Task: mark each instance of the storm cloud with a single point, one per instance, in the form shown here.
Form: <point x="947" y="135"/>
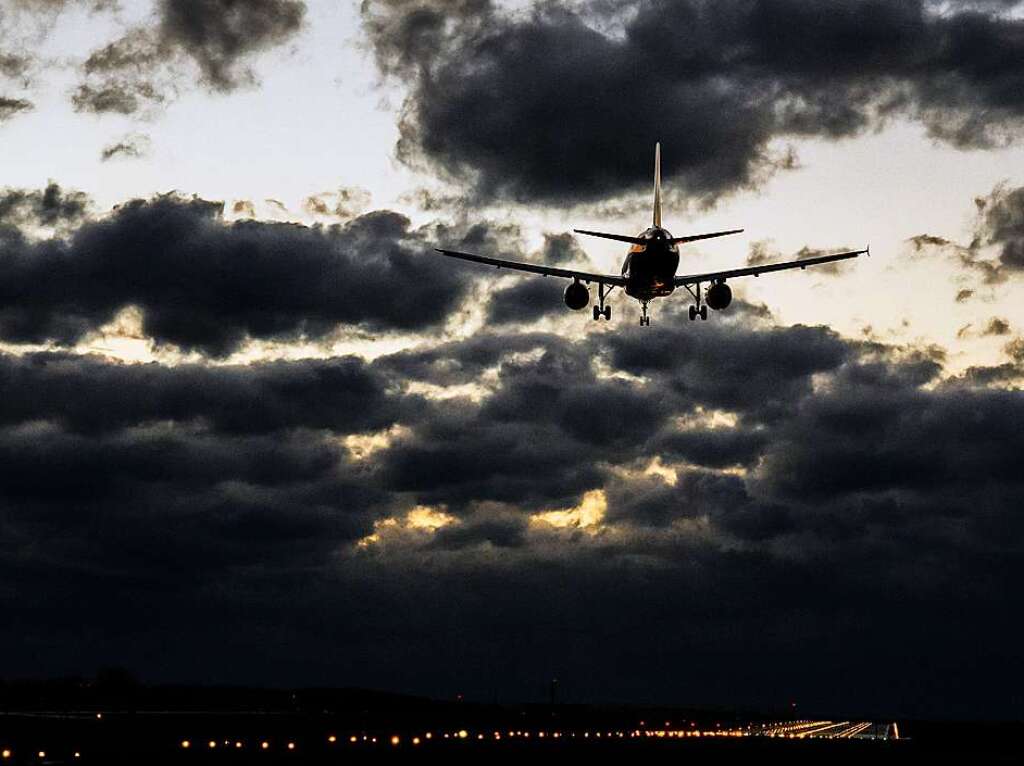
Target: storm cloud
<point x="202" y="283"/>
<point x="594" y="502"/>
<point x="493" y="95"/>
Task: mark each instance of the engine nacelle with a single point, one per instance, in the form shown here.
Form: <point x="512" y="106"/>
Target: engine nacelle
<point x="577" y="296"/>
<point x="719" y="296"/>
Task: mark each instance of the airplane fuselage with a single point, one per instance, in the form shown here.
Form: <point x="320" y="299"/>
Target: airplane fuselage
<point x="650" y="268"/>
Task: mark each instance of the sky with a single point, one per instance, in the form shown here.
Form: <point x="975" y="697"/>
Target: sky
<point x="254" y="430"/>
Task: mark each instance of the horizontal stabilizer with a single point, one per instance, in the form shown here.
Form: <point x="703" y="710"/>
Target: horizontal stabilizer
<point x="616" y="237"/>
<point x="695" y="237"/>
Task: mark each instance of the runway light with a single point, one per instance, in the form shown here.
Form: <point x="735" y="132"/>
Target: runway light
<point x="186" y="744"/>
<point x="99" y="715"/>
<point x="238" y="744"/>
<point x="395" y="740"/>
<point x="42" y="753"/>
<point x="415" y="740"/>
<point x="332" y="739"/>
<point x="211" y="744"/>
<point x="428" y="735"/>
<point x="77" y="754"/>
<point x="6" y="754"/>
<point x="353" y="738"/>
<point x="463" y="733"/>
<point x="265" y="745"/>
<point x="291" y="745"/>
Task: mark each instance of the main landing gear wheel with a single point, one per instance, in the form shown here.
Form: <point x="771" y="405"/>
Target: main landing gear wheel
<point x="701" y="312"/>
<point x="606" y="312"/>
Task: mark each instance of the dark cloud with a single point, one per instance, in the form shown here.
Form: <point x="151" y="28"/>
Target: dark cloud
<point x="9" y="107"/>
<point x="1001" y="225"/>
<point x="809" y="487"/>
<point x="512" y="101"/>
<point x="562" y="249"/>
<point x="91" y="394"/>
<point x="526" y="301"/>
<point x="51" y="206"/>
<point x="131" y="146"/>
<point x="219" y="36"/>
<point x="202" y="283"/>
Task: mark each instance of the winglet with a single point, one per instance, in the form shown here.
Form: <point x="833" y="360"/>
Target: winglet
<point x="657" y="184"/>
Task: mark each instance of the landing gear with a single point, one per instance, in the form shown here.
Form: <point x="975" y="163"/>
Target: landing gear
<point x="699" y="309"/>
<point x="600" y="310"/>
<point x="644" y="319"/>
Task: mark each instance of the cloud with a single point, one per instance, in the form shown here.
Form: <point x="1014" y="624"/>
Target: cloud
<point x="996" y="326"/>
<point x="52" y="206"/>
<point x="1001" y="225"/>
<point x="118" y="96"/>
<point x="511" y="101"/>
<point x="9" y="107"/>
<point x="220" y="34"/>
<point x="344" y="203"/>
<point x="14" y="65"/>
<point x="775" y="485"/>
<point x="204" y="284"/>
<point x="220" y="37"/>
<point x="133" y="145"/>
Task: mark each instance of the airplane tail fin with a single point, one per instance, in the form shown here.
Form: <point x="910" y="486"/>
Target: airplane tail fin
<point x="657" y="184"/>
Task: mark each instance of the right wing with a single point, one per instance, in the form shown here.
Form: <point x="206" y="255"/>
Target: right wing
<point x="547" y="271"/>
<point x="753" y="271"/>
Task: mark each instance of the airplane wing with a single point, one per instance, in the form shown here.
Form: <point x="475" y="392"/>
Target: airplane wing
<point x="712" y="276"/>
<point x="547" y="271"/>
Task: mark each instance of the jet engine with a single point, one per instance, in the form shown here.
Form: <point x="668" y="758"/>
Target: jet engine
<point x="719" y="296"/>
<point x="577" y="296"/>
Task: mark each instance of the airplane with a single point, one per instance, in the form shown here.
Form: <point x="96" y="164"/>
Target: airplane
<point x="649" y="270"/>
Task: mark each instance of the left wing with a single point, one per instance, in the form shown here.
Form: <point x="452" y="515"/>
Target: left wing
<point x="547" y="271"/>
<point x="712" y="276"/>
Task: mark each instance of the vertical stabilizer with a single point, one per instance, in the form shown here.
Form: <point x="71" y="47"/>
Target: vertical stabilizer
<point x="657" y="184"/>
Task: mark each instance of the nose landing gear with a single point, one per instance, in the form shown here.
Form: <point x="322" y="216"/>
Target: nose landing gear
<point x="701" y="312"/>
<point x="645" y="321"/>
